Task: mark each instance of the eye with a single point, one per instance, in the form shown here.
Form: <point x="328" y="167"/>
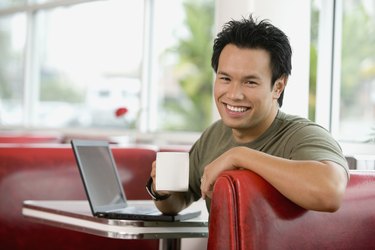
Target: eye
<point x="224" y="78"/>
<point x="251" y="83"/>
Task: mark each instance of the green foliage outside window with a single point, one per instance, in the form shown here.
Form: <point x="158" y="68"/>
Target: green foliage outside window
<point x="313" y="60"/>
<point x="358" y="64"/>
<point x="194" y="54"/>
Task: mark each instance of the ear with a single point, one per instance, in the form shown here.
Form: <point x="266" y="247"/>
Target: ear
<point x="279" y="86"/>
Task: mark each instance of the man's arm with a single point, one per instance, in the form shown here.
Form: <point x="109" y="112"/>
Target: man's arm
<point x="312" y="185"/>
<point x="176" y="202"/>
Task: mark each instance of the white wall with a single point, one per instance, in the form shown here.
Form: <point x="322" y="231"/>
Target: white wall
<point x="225" y="10"/>
<point x="292" y="17"/>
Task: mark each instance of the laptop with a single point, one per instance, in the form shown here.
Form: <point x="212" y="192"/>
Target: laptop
<point x="104" y="190"/>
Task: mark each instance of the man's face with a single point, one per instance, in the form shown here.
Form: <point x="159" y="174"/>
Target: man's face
<point x="243" y="93"/>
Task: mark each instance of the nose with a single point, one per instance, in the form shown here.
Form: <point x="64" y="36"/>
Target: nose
<point x="235" y="91"/>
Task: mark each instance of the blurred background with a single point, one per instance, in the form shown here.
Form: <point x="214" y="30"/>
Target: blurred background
<point x="68" y="65"/>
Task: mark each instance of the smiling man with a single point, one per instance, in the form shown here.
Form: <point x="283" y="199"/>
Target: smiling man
<point x="252" y="62"/>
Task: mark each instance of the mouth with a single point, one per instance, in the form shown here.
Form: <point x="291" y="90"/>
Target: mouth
<point x="236" y="109"/>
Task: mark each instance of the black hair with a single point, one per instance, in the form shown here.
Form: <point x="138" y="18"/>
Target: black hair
<point x="247" y="33"/>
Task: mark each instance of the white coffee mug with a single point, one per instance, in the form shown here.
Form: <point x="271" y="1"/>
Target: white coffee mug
<point x="172" y="171"/>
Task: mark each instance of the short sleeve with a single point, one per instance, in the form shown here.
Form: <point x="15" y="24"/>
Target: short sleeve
<point x="313" y="142"/>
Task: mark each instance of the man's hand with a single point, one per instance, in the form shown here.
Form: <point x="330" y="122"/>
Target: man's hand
<point x="175" y="203"/>
<point x="212" y="171"/>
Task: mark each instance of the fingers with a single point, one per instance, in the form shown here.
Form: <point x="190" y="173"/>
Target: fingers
<point x="206" y="187"/>
<point x="203" y="193"/>
<point x="153" y="170"/>
<point x="153" y="174"/>
<point x="209" y="194"/>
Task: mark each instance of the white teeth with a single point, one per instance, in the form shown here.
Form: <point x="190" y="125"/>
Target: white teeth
<point x="236" y="109"/>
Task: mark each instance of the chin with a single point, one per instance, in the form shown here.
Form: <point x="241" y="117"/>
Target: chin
<point x="232" y="124"/>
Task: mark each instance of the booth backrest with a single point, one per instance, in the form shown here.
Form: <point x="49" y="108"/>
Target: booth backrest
<point x="49" y="172"/>
<point x="248" y="213"/>
<point x="29" y="138"/>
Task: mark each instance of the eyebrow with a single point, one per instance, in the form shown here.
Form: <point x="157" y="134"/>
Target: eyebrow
<point x="251" y="76"/>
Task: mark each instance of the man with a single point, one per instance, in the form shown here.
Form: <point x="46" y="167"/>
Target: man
<point x="252" y="62"/>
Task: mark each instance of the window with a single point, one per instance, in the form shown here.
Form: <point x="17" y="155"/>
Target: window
<point x="12" y="73"/>
<point x="357" y="74"/>
<point x="72" y="64"/>
<point x="345" y="91"/>
<point x="185" y="73"/>
<point x="10" y="3"/>
<point x="89" y="64"/>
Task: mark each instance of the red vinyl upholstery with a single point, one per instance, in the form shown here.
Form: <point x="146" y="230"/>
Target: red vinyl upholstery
<point x="49" y="172"/>
<point x="28" y="138"/>
<point x="248" y="213"/>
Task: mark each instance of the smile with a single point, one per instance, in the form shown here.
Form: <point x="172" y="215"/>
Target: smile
<point x="236" y="109"/>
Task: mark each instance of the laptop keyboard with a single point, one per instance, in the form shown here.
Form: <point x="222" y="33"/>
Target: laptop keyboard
<point x="139" y="210"/>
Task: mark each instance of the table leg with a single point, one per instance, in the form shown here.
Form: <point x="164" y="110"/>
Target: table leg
<point x="170" y="244"/>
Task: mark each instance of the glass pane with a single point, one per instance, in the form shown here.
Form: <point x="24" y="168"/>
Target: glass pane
<point x="12" y="43"/>
<point x="90" y="64"/>
<point x="11" y="3"/>
<point x="357" y="112"/>
<point x="315" y="11"/>
<point x="183" y="49"/>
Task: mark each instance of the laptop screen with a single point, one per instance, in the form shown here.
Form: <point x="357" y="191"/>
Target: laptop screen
<point x="98" y="171"/>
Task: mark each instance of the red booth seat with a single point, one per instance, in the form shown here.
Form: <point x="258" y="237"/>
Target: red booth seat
<point x="46" y="172"/>
<point x="16" y="137"/>
<point x="248" y="213"/>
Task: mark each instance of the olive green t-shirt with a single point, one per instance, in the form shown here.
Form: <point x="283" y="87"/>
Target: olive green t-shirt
<point x="289" y="137"/>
